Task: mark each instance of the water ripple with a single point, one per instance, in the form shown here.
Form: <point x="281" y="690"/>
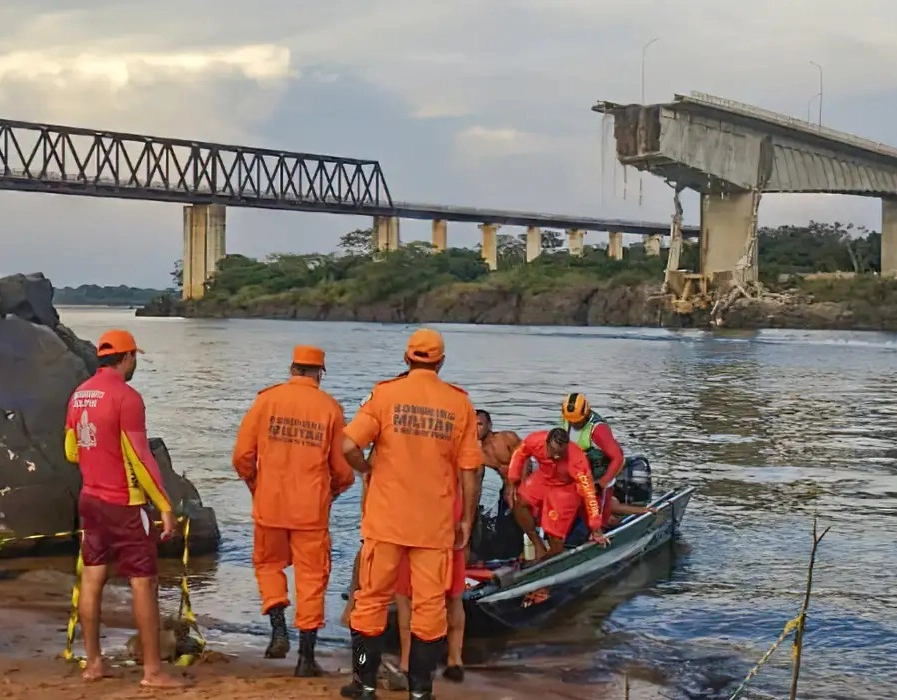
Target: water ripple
<point x="772" y="427"/>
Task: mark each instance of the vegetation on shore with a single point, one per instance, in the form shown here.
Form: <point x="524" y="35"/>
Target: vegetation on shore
<point x="356" y="276"/>
<point x="95" y="295"/>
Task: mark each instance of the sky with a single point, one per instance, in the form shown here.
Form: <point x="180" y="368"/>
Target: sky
<point x="475" y="103"/>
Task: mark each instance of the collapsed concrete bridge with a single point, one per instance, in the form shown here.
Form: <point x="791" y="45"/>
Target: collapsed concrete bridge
<point x="732" y="153"/>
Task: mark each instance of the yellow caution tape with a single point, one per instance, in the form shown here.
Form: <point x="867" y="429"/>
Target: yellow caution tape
<point x="185" y="611"/>
<point x="790" y="627"/>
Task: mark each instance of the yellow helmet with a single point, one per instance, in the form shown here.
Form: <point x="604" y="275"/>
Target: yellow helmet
<point x="575" y="408"/>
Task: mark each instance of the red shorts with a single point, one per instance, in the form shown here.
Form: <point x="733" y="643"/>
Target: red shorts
<point x="555" y="506"/>
<point x="123" y="535"/>
<point x="459" y="576"/>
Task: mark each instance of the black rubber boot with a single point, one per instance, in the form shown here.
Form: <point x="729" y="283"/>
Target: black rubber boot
<point x="306" y="666"/>
<point x="366" y="652"/>
<point x="422" y="661"/>
<point x="455" y="674"/>
<point x="279" y="646"/>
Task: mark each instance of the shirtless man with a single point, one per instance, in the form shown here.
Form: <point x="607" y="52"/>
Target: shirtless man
<point x="497" y="447"/>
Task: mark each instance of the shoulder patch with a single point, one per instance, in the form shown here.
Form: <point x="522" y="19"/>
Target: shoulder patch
<point x="457" y="388"/>
<point x="365" y="399"/>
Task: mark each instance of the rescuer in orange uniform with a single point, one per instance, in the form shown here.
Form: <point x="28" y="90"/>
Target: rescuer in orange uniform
<point x="425" y="434"/>
<point x="289" y="453"/>
<point x="105" y="435"/>
<point x="561" y="484"/>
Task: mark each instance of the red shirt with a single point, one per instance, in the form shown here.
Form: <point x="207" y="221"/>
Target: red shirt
<point x="572" y="469"/>
<point x="105" y="434"/>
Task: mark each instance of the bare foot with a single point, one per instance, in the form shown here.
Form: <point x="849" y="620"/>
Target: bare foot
<point x="163" y="680"/>
<point x="97" y="671"/>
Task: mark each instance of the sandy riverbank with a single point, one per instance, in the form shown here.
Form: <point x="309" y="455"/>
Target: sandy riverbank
<point x="35" y="611"/>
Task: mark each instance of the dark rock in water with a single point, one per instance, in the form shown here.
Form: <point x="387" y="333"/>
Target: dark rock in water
<point x="41" y="364"/>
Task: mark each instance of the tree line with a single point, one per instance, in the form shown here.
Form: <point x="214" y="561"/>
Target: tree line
<point x="357" y="273"/>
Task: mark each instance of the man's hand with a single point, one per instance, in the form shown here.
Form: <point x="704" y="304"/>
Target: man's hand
<point x="169" y="523"/>
<point x="652" y="509"/>
<point x="511" y="494"/>
<point x="462" y="534"/>
<point x="599" y="538"/>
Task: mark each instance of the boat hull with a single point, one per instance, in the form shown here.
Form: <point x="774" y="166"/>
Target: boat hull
<point x="530" y="596"/>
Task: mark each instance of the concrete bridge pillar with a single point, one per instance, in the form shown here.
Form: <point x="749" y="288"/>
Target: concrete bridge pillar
<point x="889" y="237"/>
<point x="204" y="246"/>
<point x="652" y="245"/>
<point x="440" y="234"/>
<point x="533" y="243"/>
<point x="386" y="234"/>
<point x="576" y="242"/>
<point x="727" y="229"/>
<point x="615" y="245"/>
<point x="490" y="244"/>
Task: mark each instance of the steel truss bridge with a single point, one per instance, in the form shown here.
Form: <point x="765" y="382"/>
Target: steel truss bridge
<point x="90" y="163"/>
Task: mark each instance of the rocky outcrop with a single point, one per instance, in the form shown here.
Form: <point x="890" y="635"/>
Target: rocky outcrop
<point x="41" y="364"/>
<point x="588" y="304"/>
<point x="578" y="305"/>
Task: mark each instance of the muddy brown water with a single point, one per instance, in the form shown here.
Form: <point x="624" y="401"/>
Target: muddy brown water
<point x="771" y="427"/>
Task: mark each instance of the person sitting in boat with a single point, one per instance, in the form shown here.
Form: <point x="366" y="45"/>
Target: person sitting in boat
<point x="554" y="492"/>
<point x="589" y="431"/>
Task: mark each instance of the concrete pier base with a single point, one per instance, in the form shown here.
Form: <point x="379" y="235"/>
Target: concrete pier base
<point x="386" y="234"/>
<point x="440" y="234"/>
<point x="204" y="245"/>
<point x="889" y="237"/>
<point x="533" y="243"/>
<point x="490" y="244"/>
<point x="576" y="242"/>
<point x="615" y="245"/>
<point x="728" y="235"/>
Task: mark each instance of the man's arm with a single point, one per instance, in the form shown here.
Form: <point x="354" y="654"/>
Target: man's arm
<point x="470" y="462"/>
<point x="135" y="446"/>
<point x="518" y="462"/>
<point x="361" y="432"/>
<point x="606" y="442"/>
<point x="245" y="457"/>
<point x="341" y="475"/>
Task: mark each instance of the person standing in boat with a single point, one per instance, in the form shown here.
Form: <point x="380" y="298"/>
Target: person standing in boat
<point x="497" y="447"/>
<point x="590" y="432"/>
<point x="555" y="491"/>
<point x="425" y="438"/>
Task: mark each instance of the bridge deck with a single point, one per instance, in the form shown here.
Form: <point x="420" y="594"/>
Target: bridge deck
<point x="91" y="163"/>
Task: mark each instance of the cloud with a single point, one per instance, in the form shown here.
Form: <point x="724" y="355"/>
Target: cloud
<point x="481" y="142"/>
<point x="469" y="102"/>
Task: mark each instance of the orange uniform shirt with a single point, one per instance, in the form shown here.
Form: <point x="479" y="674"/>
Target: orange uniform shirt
<point x="105" y="434"/>
<point x="425" y="432"/>
<point x="289" y="449"/>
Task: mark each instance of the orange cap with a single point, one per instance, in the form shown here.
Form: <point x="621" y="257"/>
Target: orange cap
<point x="116" y="341"/>
<point x="425" y="345"/>
<point x="308" y="355"/>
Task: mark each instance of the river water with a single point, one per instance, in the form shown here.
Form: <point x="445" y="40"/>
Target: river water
<point x="771" y="427"/>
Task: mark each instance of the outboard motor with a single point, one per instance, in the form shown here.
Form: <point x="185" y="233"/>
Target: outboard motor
<point x="633" y="485"/>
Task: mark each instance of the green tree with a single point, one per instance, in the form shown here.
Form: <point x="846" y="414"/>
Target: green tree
<point x="359" y="242"/>
<point x="552" y="241"/>
<point x="177" y="274"/>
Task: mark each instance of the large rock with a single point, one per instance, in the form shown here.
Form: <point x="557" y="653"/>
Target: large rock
<point x="41" y="364"/>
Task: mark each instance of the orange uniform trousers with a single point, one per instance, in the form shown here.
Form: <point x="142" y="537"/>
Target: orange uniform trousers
<point x="274" y="549"/>
<point x="378" y="573"/>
